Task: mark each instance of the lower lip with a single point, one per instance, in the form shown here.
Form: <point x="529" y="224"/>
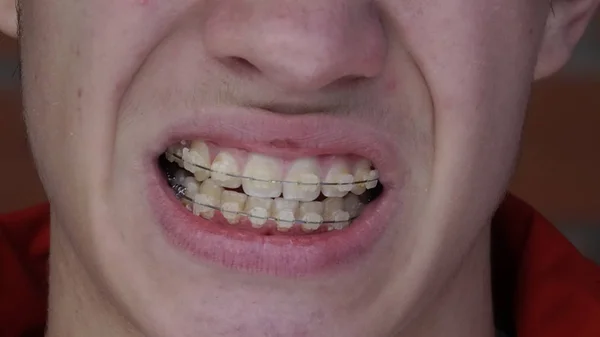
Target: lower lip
<point x="287" y="256"/>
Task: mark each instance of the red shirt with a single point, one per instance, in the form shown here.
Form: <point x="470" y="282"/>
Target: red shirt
<point x="543" y="287"/>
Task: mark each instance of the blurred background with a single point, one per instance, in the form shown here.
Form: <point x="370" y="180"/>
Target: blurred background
<point x="558" y="172"/>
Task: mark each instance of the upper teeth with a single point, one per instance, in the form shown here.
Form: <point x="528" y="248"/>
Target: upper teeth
<point x="263" y="176"/>
<point x="305" y="172"/>
<point x="267" y="172"/>
<point x="224" y="170"/>
<point x="339" y="174"/>
<point x="195" y="157"/>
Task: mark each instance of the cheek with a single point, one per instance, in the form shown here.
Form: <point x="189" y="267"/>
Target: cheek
<point x="478" y="71"/>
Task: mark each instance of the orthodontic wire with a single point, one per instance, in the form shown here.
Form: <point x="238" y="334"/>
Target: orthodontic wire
<point x="180" y="194"/>
<point x="273" y="181"/>
<point x="300" y="222"/>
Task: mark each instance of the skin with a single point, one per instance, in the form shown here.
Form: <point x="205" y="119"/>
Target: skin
<point x="99" y="76"/>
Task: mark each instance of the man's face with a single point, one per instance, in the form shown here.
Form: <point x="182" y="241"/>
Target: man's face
<point x="424" y="97"/>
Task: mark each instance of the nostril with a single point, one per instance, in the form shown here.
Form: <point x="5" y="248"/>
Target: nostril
<point x="240" y="64"/>
<point x="348" y="81"/>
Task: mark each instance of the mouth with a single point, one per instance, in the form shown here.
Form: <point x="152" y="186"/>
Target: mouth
<point x="263" y="193"/>
<point x="269" y="195"/>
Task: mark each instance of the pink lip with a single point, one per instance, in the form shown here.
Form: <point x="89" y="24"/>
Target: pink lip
<point x="286" y="136"/>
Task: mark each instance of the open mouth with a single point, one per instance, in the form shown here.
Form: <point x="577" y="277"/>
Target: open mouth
<point x="269" y="195"/>
<point x="290" y="196"/>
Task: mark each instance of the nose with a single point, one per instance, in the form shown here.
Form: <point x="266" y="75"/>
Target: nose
<point x="299" y="45"/>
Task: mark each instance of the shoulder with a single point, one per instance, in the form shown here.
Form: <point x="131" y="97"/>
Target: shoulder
<point x="24" y="246"/>
<point x="540" y="277"/>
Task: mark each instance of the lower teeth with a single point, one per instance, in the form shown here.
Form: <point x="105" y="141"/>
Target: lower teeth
<point x="188" y="202"/>
<point x="308" y="216"/>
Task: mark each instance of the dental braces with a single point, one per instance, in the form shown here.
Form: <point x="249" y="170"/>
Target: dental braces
<point x="180" y="194"/>
<point x="176" y="156"/>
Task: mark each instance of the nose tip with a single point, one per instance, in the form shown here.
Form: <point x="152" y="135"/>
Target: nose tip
<point x="298" y="45"/>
